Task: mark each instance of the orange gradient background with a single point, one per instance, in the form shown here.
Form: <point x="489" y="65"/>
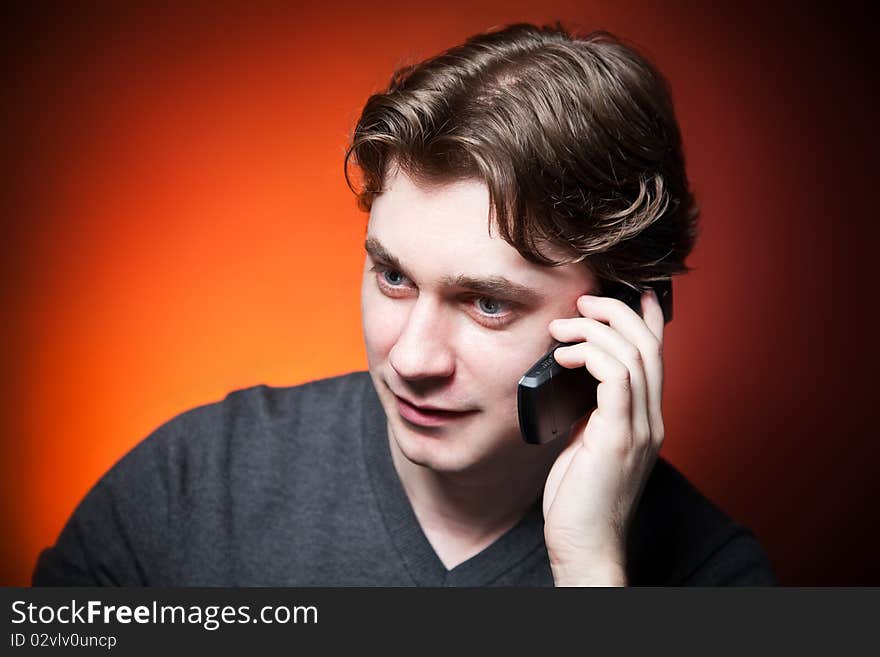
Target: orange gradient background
<point x="177" y="226"/>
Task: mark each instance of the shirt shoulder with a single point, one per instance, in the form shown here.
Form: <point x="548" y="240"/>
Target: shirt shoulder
<point x="126" y="530"/>
<point x="679" y="537"/>
<point x="250" y="430"/>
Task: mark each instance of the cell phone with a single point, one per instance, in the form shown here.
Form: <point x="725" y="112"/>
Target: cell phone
<point x="551" y="398"/>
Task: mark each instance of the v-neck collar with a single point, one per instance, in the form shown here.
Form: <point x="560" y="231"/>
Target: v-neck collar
<point x="416" y="552"/>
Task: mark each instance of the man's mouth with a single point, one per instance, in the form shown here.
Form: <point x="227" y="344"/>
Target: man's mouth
<point x="427" y="415"/>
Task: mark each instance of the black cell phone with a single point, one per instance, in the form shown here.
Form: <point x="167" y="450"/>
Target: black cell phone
<point x="551" y="398"/>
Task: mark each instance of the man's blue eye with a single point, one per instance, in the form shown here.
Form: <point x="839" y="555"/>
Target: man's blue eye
<point x="393" y="277"/>
<point x="489" y="306"/>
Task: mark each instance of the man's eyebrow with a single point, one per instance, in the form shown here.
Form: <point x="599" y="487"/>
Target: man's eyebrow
<point x="375" y="248"/>
<point x="493" y="286"/>
<point x="496" y="287"/>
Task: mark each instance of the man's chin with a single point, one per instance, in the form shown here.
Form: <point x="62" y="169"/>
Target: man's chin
<point x="441" y="453"/>
<point x="435" y="454"/>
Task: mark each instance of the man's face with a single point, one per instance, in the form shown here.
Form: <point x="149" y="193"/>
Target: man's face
<point x="453" y="317"/>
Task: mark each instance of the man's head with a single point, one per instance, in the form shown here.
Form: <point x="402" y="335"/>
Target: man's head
<point x="576" y="140"/>
<point x="505" y="178"/>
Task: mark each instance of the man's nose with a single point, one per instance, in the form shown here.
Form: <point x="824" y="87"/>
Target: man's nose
<point x="422" y="349"/>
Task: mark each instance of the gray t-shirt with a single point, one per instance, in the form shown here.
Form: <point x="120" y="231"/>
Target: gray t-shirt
<point x="295" y="487"/>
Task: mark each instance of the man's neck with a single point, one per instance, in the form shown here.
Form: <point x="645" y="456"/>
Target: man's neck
<point x="461" y="514"/>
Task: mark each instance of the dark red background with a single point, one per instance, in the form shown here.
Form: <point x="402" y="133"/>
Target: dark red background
<point x="176" y="226"/>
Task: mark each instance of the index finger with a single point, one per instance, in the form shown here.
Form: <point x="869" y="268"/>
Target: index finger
<point x="652" y="313"/>
<point x="621" y="317"/>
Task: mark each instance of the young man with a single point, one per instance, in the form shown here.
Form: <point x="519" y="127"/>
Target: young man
<point x="511" y="182"/>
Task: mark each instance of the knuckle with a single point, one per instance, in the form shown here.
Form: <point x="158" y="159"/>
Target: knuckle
<point x="621" y="375"/>
<point x="633" y="355"/>
<point x="613" y="301"/>
<point x="623" y="446"/>
<point x="658" y="434"/>
<point x="658" y="439"/>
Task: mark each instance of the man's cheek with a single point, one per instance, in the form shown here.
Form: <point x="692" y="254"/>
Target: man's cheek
<point x="498" y="363"/>
<point x="380" y="331"/>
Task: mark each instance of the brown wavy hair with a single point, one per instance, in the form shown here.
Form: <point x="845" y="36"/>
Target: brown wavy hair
<point x="575" y="137"/>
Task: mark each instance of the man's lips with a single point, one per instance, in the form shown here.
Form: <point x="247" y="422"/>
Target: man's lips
<point x="429" y="416"/>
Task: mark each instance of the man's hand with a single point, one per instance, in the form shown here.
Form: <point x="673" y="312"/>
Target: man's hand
<point x="594" y="485"/>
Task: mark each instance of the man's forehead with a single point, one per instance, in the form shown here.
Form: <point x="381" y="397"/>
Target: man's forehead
<point x="457" y="210"/>
<point x="445" y="229"/>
